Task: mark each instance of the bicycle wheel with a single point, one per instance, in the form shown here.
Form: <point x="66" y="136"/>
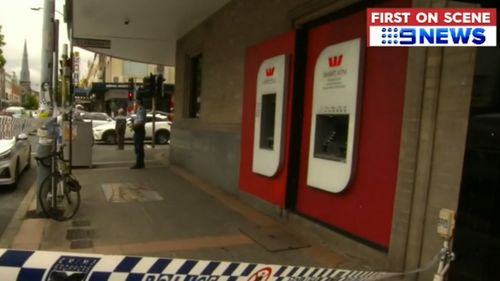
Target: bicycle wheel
<point x="66" y="203"/>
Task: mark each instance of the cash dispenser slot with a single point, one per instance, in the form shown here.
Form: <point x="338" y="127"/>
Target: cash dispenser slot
<point x="331" y="137"/>
<point x="267" y="121"/>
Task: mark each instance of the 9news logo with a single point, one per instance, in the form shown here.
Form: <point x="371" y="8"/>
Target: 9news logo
<point x="431" y="27"/>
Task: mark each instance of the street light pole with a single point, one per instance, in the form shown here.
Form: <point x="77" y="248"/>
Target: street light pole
<point x="47" y="52"/>
<point x="46" y="132"/>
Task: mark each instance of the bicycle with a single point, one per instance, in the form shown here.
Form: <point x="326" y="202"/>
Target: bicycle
<point x="64" y="205"/>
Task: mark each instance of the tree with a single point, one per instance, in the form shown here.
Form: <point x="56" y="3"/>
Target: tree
<point x="31" y="102"/>
<point x="2" y="43"/>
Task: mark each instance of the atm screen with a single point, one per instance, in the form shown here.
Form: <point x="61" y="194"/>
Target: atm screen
<point x="268" y="112"/>
<point x="331" y="137"/>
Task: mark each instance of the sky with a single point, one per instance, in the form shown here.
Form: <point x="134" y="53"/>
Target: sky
<point x="20" y="23"/>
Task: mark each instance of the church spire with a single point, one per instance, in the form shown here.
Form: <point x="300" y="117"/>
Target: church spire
<point x="25" y="82"/>
<point x="25" y="70"/>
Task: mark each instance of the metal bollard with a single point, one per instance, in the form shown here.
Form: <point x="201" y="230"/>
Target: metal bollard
<point x="44" y="148"/>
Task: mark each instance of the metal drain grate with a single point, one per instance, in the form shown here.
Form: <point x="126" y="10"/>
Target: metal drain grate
<point x="80" y="223"/>
<point x="82" y="244"/>
<point x="78" y="233"/>
<point x="33" y="214"/>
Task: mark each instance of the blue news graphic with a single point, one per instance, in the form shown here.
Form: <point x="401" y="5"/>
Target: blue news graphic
<point x="441" y="35"/>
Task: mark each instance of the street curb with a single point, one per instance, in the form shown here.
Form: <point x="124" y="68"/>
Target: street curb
<point x="15" y="223"/>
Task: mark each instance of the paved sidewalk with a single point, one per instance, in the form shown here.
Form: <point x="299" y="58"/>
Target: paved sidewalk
<point x="164" y="211"/>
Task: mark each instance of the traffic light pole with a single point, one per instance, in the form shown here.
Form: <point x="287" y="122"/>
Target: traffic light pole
<point x="158" y="92"/>
<point x="154" y="122"/>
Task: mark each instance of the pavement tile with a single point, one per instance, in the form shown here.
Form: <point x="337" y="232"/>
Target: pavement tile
<point x="30" y="234"/>
<point x="228" y="200"/>
<point x="324" y="256"/>
<point x="108" y="249"/>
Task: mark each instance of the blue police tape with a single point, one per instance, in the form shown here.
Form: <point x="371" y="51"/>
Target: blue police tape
<point x="58" y="266"/>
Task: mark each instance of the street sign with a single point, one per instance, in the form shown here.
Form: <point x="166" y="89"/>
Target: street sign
<point x="92" y="43"/>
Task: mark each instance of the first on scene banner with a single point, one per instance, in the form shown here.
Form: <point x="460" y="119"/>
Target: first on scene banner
<point x="437" y="27"/>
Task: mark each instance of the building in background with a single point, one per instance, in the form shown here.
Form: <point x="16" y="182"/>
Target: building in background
<point x="107" y="82"/>
<point x="13" y="91"/>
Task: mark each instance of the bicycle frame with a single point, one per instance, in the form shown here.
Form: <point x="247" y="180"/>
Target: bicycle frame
<point x="59" y="186"/>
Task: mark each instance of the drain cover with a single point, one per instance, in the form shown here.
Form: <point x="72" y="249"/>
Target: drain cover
<point x="77" y="233"/>
<point x="81" y="244"/>
<point x="33" y="214"/>
<point x="80" y="223"/>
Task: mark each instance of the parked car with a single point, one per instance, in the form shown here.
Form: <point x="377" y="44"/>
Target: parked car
<point x="107" y="133"/>
<point x="168" y="115"/>
<point x="16" y="111"/>
<point x="97" y="118"/>
<point x="15" y="156"/>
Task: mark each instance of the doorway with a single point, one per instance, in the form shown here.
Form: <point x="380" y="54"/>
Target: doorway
<point x="477" y="234"/>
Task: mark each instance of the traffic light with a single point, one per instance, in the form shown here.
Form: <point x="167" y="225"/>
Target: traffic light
<point x="131" y="85"/>
<point x="146" y="86"/>
<point x="159" y="85"/>
<point x="149" y="85"/>
<point x="130" y="96"/>
<point x="152" y="80"/>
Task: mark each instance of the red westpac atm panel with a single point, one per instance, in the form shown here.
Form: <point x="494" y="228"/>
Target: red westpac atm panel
<point x="267" y="102"/>
<point x="351" y="184"/>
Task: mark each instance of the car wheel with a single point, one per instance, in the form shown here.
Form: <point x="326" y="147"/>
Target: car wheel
<point x="109" y="137"/>
<point x="162" y="137"/>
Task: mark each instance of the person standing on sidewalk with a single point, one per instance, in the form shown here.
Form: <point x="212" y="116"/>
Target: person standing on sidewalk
<point x="139" y="134"/>
<point x="120" y="127"/>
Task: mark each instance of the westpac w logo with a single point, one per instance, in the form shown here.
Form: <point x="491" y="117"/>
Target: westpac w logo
<point x="335" y="61"/>
<point x="270" y="71"/>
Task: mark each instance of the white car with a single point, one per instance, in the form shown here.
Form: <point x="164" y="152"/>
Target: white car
<point x="107" y="132"/>
<point x="15" y="156"/>
<point x="16" y="111"/>
<point x="97" y="118"/>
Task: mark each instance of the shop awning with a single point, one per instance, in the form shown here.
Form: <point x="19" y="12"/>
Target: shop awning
<point x="143" y="31"/>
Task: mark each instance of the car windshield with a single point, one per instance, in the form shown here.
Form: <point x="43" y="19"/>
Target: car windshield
<point x="95" y="116"/>
<point x="99" y="116"/>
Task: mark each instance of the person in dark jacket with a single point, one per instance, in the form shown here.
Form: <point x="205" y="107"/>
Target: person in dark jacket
<point x="120" y="127"/>
<point x="139" y="134"/>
